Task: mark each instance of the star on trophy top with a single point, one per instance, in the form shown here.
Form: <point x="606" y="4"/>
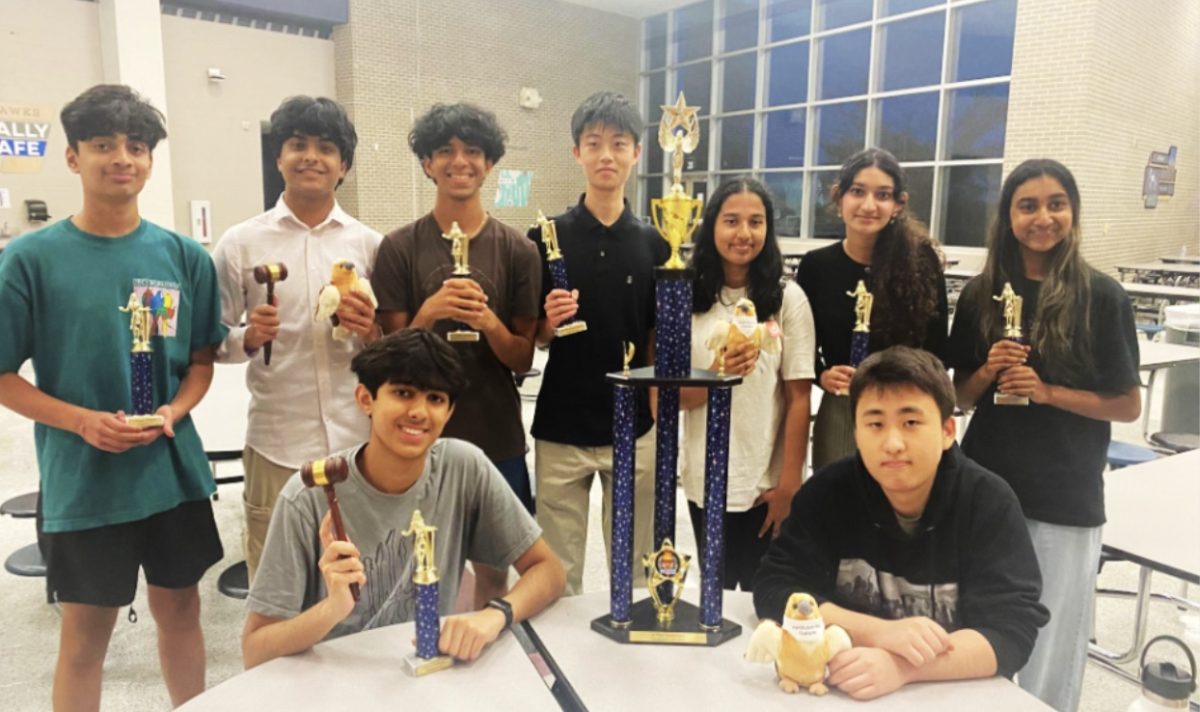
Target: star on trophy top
<point x="677" y="214"/>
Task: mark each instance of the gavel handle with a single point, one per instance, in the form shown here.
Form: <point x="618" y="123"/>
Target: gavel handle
<point x="267" y="346"/>
<point x="338" y="529"/>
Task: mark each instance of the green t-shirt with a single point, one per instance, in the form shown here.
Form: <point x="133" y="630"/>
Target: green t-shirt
<point x="60" y="294"/>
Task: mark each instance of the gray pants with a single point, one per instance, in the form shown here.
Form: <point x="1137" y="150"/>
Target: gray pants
<point x="1068" y="558"/>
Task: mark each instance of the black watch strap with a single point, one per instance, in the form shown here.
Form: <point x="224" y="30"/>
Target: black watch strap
<point x="504" y="607"/>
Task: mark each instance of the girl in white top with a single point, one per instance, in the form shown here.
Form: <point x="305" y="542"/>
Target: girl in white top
<point x="736" y="255"/>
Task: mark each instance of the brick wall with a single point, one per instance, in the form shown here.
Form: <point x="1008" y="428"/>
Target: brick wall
<point x="1098" y="85"/>
<point x="397" y="58"/>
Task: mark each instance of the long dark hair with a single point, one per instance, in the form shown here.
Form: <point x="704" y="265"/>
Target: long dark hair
<point x="763" y="286"/>
<point x="905" y="262"/>
<point x="1060" y="330"/>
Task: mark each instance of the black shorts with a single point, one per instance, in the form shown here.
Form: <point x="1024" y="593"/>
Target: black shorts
<point x="99" y="566"/>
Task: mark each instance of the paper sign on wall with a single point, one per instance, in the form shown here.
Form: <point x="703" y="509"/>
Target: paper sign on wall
<point x="512" y="188"/>
<point x="5" y="199"/>
<point x="24" y="136"/>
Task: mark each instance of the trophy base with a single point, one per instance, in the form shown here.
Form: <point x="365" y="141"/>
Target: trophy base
<point x="416" y="667"/>
<point x="683" y="629"/>
<point x="462" y="336"/>
<point x="575" y="327"/>
<point x="1004" y="399"/>
<point x="144" y="422"/>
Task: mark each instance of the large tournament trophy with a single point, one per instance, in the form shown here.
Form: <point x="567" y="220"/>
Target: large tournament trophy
<point x="1011" y="303"/>
<point x="558" y="272"/>
<point x="141" y="366"/>
<point x="459" y="249"/>
<point x="664" y="618"/>
<point x="425" y="577"/>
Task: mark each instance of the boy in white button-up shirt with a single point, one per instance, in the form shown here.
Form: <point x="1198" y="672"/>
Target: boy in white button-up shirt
<point x="301" y="405"/>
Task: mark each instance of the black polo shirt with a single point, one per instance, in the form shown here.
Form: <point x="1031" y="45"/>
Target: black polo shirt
<point x="613" y="269"/>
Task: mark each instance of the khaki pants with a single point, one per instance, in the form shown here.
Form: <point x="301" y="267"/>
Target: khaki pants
<point x="264" y="479"/>
<point x="564" y="480"/>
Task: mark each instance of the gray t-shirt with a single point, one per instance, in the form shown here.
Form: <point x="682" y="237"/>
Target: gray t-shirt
<point x="460" y="492"/>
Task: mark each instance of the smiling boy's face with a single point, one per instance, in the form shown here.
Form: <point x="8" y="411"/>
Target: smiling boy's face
<point x="405" y="420"/>
<point x="111" y="168"/>
<point x="901" y="437"/>
<point x="310" y="165"/>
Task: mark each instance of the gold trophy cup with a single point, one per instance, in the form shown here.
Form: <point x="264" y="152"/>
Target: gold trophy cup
<point x="677" y="214"/>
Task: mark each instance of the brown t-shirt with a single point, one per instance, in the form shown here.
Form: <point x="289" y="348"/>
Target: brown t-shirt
<point x="412" y="264"/>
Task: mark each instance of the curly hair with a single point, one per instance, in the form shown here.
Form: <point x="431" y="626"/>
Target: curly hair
<point x="764" y="286"/>
<point x="110" y="109"/>
<point x="1060" y="331"/>
<point x="905" y="262"/>
<point x="466" y="122"/>
<point x="320" y="117"/>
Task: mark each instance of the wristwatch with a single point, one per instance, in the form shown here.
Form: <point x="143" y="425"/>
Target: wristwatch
<point x="504" y="607"/>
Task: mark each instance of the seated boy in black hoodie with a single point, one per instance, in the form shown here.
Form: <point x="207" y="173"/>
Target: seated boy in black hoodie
<point x="918" y="552"/>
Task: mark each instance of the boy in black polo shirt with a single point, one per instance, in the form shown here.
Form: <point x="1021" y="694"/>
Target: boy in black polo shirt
<point x="610" y="257"/>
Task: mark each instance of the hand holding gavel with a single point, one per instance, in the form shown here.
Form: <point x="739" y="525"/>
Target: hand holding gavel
<point x="269" y="274"/>
<point x="325" y="473"/>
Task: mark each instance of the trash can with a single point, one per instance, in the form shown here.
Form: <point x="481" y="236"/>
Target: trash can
<point x="1181" y="387"/>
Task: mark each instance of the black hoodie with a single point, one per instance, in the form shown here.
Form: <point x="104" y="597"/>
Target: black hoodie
<point x="970" y="564"/>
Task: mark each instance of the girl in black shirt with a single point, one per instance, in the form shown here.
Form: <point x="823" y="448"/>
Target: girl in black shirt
<point x="1079" y="373"/>
<point x="891" y="252"/>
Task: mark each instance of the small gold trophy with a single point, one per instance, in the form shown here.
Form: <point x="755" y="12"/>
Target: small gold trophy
<point x="1012" y="303"/>
<point x="141" y="369"/>
<point x="677" y="214"/>
<point x="627" y="358"/>
<point x="558" y="272"/>
<point x="860" y="338"/>
<point x="666" y="566"/>
<point x="426" y="660"/>
<point x="459" y="249"/>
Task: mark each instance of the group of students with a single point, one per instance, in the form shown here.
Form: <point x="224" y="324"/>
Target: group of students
<point x="942" y="562"/>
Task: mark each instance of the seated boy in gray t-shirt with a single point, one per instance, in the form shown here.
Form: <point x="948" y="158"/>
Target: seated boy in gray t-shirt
<point x="408" y="383"/>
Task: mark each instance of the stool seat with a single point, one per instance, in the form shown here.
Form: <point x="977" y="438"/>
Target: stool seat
<point x="23" y="506"/>
<point x="519" y="378"/>
<point x="235" y="581"/>
<point x="1176" y="442"/>
<point x="26" y="561"/>
<point x="1150" y="329"/>
<point x="1125" y="454"/>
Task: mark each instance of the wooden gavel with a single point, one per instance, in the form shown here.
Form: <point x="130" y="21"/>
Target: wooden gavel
<point x="269" y="274"/>
<point x="325" y="473"/>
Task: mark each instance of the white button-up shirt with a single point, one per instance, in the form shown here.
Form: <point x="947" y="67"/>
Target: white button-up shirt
<point x="302" y="405"/>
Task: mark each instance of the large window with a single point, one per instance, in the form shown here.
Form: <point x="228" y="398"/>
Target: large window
<point x="788" y="89"/>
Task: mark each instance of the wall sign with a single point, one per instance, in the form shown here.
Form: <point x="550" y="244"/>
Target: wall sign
<point x="24" y="136"/>
<point x="512" y="188"/>
<point x="1159" y="178"/>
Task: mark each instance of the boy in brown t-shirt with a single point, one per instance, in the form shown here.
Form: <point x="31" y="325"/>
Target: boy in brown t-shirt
<point x="413" y="279"/>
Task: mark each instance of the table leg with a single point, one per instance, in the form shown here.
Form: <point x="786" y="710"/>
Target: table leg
<point x="1141" y="612"/>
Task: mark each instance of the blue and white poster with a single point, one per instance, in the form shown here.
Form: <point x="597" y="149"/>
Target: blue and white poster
<point x="512" y="188"/>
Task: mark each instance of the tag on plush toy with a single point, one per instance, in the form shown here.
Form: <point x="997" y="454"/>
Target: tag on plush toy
<point x="805" y="631"/>
<point x="745" y="323"/>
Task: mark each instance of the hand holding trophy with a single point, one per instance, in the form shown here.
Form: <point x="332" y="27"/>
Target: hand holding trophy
<point x="460" y="250"/>
<point x="558" y="272"/>
<point x="141" y="366"/>
<point x="1011" y="303"/>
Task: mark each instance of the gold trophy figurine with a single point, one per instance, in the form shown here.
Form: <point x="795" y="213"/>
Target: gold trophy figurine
<point x="627" y="357"/>
<point x="860" y="337"/>
<point x="677" y="214"/>
<point x="1011" y="303"/>
<point x="426" y="659"/>
<point x="459" y="248"/>
<point x="141" y="368"/>
<point x="662" y="566"/>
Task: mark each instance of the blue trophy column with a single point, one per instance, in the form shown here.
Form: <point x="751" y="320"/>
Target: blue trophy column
<point x="142" y="382"/>
<point x="428" y="627"/>
<point x="666" y="465"/>
<point x="716" y="474"/>
<point x="860" y="342"/>
<point x="624" y="419"/>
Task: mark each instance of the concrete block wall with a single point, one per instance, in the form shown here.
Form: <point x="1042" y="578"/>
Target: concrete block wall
<point x="1098" y="85"/>
<point x="396" y="59"/>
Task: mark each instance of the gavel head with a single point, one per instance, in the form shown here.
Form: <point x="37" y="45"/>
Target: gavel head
<point x="326" y="472"/>
<point x="270" y="273"/>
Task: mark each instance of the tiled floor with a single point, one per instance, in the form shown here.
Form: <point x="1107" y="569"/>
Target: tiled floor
<point x="132" y="681"/>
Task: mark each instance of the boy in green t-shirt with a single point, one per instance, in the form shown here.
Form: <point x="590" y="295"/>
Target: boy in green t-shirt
<point x="114" y="497"/>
